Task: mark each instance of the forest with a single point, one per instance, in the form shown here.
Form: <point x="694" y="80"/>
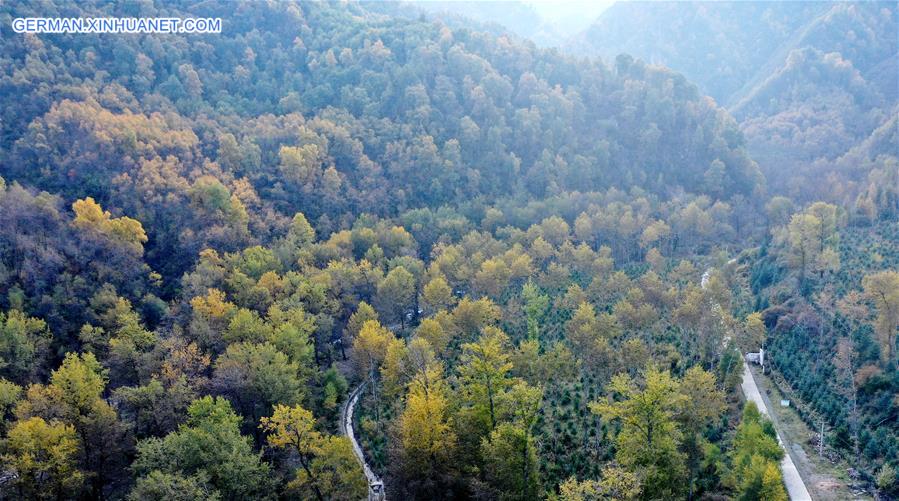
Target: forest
<point x="536" y="273"/>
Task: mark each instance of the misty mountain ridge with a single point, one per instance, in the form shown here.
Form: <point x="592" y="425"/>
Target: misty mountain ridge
<point x="807" y="81"/>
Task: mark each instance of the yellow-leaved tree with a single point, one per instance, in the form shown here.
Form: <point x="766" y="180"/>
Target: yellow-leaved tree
<point x="44" y="457"/>
<point x="648" y="442"/>
<point x="883" y="289"/>
<point x="128" y="231"/>
<point x="424" y="427"/>
<point x="328" y="468"/>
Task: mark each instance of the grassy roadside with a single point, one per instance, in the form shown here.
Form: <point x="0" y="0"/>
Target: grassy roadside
<point x="826" y="479"/>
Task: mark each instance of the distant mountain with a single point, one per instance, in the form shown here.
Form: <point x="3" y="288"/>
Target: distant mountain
<point x="728" y="48"/>
<point x="807" y="81"/>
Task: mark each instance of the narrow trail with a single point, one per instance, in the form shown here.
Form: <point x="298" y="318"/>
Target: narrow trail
<point x="795" y="485"/>
<point x="375" y="485"/>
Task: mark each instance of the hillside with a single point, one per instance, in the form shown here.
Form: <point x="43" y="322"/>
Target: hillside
<point x="375" y="113"/>
<point x="719" y="45"/>
<point x="807" y="81"/>
<point x="822" y="344"/>
<point x="207" y="239"/>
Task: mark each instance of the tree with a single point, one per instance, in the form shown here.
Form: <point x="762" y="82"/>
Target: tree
<point x="587" y="336"/>
<point x="157" y="407"/>
<point x="886" y="478"/>
<point x="301" y="234"/>
<point x="703" y="402"/>
<point x="9" y="395"/>
<point x="300" y="165"/>
<point x="437" y="295"/>
<point x="44" y="457"/>
<point x="761" y="480"/>
<point x="124" y="230"/>
<point x="469" y="317"/>
<point x="364" y="312"/>
<point x="778" y="210"/>
<point x="433" y="332"/>
<point x="803" y="233"/>
<point x="828" y="220"/>
<point x="74" y="396"/>
<point x="654" y="234"/>
<point x="328" y="469"/>
<point x="883" y="289"/>
<point x="616" y="485"/>
<point x="754" y="332"/>
<point x="730" y="367"/>
<point x="772" y="488"/>
<point x="812" y="236"/>
<point x="257" y="376"/>
<point x="393" y="370"/>
<point x="292" y="331"/>
<point x="584" y="229"/>
<point x="483" y="374"/>
<point x="246" y="327"/>
<point x="520" y="404"/>
<point x="209" y="445"/>
<point x="510" y="462"/>
<point x="587" y="490"/>
<point x="334" y="388"/>
<point x="714" y="178"/>
<point x="129" y="343"/>
<point x="395" y="295"/>
<point x="702" y="405"/>
<point x="492" y="278"/>
<point x="162" y="486"/>
<point x="211" y="315"/>
<point x="648" y="441"/>
<point x="828" y="261"/>
<point x="370" y="348"/>
<point x="845" y="363"/>
<point x="535" y="305"/>
<point x="421" y="366"/>
<point x="336" y="469"/>
<point x="426" y="432"/>
<point x="755" y="451"/>
<point x="655" y="260"/>
<point x="23" y="346"/>
<point x="255" y="261"/>
<point x="293" y="428"/>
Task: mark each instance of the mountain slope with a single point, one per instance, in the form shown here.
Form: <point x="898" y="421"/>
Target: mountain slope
<point x="456" y="104"/>
<point x="333" y="111"/>
<point x="806" y="80"/>
<point x="717" y="45"/>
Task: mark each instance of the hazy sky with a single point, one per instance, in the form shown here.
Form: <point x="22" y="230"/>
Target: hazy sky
<point x="581" y="12"/>
<point x="559" y="19"/>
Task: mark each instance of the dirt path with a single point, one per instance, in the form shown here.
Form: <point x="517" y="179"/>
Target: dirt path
<point x="375" y="485"/>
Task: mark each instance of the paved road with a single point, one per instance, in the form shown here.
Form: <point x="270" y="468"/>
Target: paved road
<point x="346" y="425"/>
<point x="795" y="486"/>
